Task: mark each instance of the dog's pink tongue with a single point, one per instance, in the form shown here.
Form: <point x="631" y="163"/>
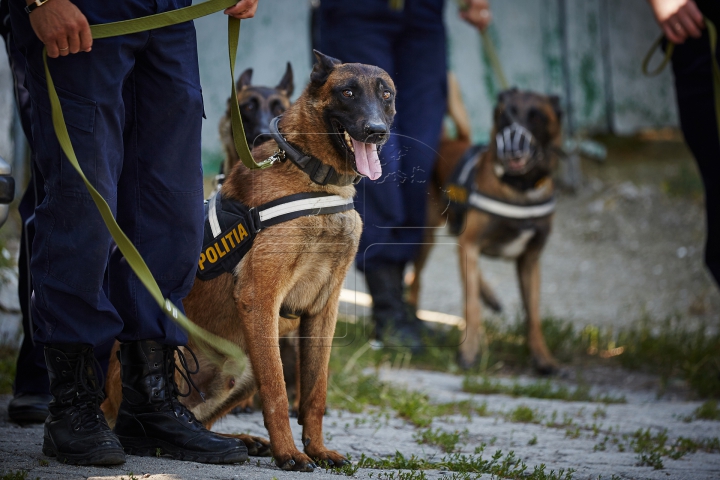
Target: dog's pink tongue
<point x="366" y="159"/>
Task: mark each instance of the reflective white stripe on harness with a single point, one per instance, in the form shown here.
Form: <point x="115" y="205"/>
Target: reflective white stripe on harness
<point x="212" y="216"/>
<point x="501" y="209"/>
<point x="305" y="204"/>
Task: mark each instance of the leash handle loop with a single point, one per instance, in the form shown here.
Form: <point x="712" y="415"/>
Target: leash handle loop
<point x="127" y="248"/>
<point x="668" y="56"/>
<point x="712" y="33"/>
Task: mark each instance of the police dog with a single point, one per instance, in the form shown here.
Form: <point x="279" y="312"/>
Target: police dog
<point x="299" y="266"/>
<point x="258" y="105"/>
<point x="521" y="179"/>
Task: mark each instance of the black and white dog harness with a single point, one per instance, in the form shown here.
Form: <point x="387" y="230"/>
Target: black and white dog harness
<point x="462" y="193"/>
<point x="231" y="227"/>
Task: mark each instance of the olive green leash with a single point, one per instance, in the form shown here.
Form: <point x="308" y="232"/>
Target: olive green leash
<point x="670" y="49"/>
<point x="131" y="254"/>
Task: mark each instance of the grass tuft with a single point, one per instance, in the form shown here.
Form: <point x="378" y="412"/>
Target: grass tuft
<point x="445" y="441"/>
<point x="523" y="414"/>
<point x="541" y="389"/>
<point x="466" y="467"/>
<point x="8" y="359"/>
<point x="708" y="411"/>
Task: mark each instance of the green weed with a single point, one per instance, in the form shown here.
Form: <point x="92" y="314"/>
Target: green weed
<point x="16" y="475"/>
<point x="664" y="348"/>
<point x="670" y="350"/>
<point x="8" y="359"/>
<point x="652" y="448"/>
<point x="540" y="389"/>
<point x="708" y="411"/>
<point x="523" y="414"/>
<point x="466" y="467"/>
<point x="446" y="441"/>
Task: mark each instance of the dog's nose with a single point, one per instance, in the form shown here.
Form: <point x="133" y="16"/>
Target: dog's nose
<point x="376" y="132"/>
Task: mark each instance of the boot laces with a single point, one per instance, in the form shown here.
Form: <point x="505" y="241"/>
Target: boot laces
<point x="88" y="394"/>
<point x="186" y="373"/>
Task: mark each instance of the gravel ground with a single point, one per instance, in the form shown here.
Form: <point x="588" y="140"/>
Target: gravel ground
<point x="573" y="445"/>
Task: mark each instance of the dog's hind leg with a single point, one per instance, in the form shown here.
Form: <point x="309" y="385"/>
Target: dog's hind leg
<point x="316" y="336"/>
<point x="528" y="269"/>
<point x="488" y="295"/>
<point x="419" y="263"/>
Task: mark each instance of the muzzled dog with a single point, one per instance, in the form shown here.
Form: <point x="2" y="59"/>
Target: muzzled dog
<point x="501" y="201"/>
<point x="258" y="105"/>
<point x="328" y="139"/>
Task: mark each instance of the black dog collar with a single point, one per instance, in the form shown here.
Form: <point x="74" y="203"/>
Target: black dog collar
<point x="319" y="172"/>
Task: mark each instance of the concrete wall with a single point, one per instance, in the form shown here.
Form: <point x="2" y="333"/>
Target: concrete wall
<point x="606" y="41"/>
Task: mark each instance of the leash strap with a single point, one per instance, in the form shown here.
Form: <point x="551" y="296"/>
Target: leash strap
<point x="319" y="172"/>
<point x="128" y="250"/>
<point x="712" y="33"/>
<point x="491" y="52"/>
<point x="231" y="226"/>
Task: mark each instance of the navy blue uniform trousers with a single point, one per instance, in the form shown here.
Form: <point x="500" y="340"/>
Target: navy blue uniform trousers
<point x="694" y="89"/>
<point x="410" y="46"/>
<point x="31" y="373"/>
<point x="133" y="107"/>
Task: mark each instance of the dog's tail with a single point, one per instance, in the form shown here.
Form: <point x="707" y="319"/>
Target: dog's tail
<point x="457" y="111"/>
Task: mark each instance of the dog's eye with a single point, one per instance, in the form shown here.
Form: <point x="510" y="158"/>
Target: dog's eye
<point x="347" y="93"/>
<point x="386" y="95"/>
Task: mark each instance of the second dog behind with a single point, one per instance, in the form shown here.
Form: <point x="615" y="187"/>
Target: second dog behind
<point x="501" y="205"/>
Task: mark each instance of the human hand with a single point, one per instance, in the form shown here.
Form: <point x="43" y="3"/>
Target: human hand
<point x="679" y="19"/>
<point x="62" y="27"/>
<point x="243" y="9"/>
<point x="477" y="13"/>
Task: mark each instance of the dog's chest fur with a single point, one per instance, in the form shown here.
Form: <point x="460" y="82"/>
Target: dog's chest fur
<point x="314" y="250"/>
<point x="510" y="239"/>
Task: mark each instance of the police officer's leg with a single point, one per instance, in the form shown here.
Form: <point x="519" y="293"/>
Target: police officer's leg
<point x="367" y="32"/>
<point x="160" y="207"/>
<point x="71" y="311"/>
<point x="693" y="81"/>
<point x="31" y="389"/>
<point x="421" y="105"/>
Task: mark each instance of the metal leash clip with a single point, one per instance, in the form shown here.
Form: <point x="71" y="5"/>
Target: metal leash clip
<point x="278" y="156"/>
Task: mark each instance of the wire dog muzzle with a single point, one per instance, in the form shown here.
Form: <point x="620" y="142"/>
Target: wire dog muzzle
<point x="516" y="149"/>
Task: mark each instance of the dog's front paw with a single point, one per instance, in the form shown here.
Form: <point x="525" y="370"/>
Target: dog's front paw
<point x="257" y="446"/>
<point x="545" y="365"/>
<point x="328" y="458"/>
<point x="296" y="462"/>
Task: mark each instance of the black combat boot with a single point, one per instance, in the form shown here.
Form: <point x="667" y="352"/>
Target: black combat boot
<point x="76" y="431"/>
<point x="152" y="421"/>
<point x="393" y="323"/>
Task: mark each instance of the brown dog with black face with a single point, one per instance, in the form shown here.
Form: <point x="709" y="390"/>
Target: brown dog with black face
<point x="515" y="171"/>
<point x="297" y="266"/>
<point x="258" y="105"/>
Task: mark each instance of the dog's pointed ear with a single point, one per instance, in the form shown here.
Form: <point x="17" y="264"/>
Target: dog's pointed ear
<point x="505" y="94"/>
<point x="244" y="80"/>
<point x="557" y="106"/>
<point x="323" y="67"/>
<point x="286" y="83"/>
